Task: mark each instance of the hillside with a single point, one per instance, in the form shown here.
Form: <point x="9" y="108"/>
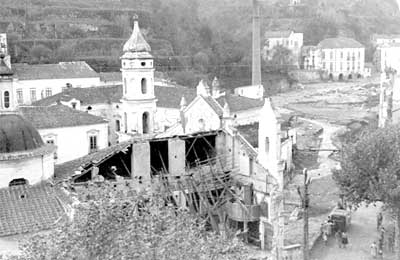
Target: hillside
<point x="199" y="37"/>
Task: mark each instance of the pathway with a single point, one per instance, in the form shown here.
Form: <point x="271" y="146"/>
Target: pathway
<point x="361" y="234"/>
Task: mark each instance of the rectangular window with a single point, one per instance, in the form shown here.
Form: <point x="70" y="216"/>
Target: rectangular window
<point x="341" y="55"/>
<point x="20" y="96"/>
<point x="331" y="55"/>
<point x="331" y="66"/>
<point x="324" y="65"/>
<point x="48" y="92"/>
<point x="52" y="142"/>
<point x="267" y="145"/>
<point x="93" y="143"/>
<point x="32" y="92"/>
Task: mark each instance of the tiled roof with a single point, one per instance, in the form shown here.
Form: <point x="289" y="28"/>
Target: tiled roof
<point x="277" y="34"/>
<point x="87" y="96"/>
<point x="62" y="70"/>
<point x="64" y="170"/>
<point x="250" y="133"/>
<point x="27" y="208"/>
<point x="43" y="117"/>
<point x="110" y="76"/>
<point x="170" y="97"/>
<point x="4" y="69"/>
<point x="239" y="103"/>
<point x="338" y="43"/>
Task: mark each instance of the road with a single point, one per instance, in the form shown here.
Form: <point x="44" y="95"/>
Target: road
<point x="362" y="233"/>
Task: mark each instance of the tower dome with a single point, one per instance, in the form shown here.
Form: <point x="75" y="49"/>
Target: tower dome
<point x="136" y="42"/>
<point x="17" y="134"/>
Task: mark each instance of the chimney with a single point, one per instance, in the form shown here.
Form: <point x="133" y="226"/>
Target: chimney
<point x="183" y="105"/>
<point x="256" y="59"/>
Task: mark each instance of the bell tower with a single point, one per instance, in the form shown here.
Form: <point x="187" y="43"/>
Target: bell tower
<point x="7" y="93"/>
<point x="137" y="67"/>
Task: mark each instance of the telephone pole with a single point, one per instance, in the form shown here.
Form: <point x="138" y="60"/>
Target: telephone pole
<point x="305" y="201"/>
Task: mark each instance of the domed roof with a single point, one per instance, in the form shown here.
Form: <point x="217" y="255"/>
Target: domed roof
<point x="136" y="42"/>
<point x="17" y="134"/>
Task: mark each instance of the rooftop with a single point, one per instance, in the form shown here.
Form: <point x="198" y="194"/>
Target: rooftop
<point x="62" y="70"/>
<point x="277" y="34"/>
<point x="18" y="134"/>
<point x="136" y="43"/>
<point x="339" y="43"/>
<point x="168" y="97"/>
<point x="44" y="117"/>
<point x="27" y="208"/>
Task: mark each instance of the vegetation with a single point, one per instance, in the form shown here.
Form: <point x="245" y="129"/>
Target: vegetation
<point x="371" y="170"/>
<point x="207" y="37"/>
<point x="113" y="224"/>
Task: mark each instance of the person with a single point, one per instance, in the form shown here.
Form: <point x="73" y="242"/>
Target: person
<point x="374" y="250"/>
<point x="338" y="237"/>
<point x="325" y="237"/>
<point x="379" y="219"/>
<point x="345" y="239"/>
<point x="391" y="242"/>
<point x="380" y="254"/>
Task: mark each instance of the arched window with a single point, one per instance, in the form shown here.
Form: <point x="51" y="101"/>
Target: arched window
<point x="117" y="125"/>
<point x="145" y="122"/>
<point x="144" y="86"/>
<point x="16" y="182"/>
<point x="125" y="87"/>
<point x="6" y="99"/>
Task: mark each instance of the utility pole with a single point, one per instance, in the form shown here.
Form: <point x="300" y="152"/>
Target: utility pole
<point x="305" y="201"/>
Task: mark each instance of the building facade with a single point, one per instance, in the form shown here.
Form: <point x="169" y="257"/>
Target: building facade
<point x="387" y="56"/>
<point x="289" y="39"/>
<point x="340" y="58"/>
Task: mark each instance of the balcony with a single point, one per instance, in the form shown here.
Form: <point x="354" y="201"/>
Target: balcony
<point x="239" y="212"/>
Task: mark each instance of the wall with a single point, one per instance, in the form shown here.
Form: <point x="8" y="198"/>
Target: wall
<point x="166" y="117"/>
<point x="201" y="117"/>
<point x="388" y="57"/>
<point x="334" y="62"/>
<point x="73" y="142"/>
<point x="55" y="84"/>
<point x="306" y="76"/>
<point x="34" y="169"/>
<point x="250" y="91"/>
<point x="246" y="116"/>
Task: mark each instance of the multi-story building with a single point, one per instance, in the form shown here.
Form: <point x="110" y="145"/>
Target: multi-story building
<point x="342" y="57"/>
<point x="378" y="39"/>
<point x="288" y="39"/>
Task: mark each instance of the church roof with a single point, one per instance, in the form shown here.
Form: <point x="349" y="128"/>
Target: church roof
<point x="136" y="43"/>
<point x="62" y="70"/>
<point x="44" y="117"/>
<point x="27" y="208"/>
<point x="215" y="105"/>
<point x="18" y="134"/>
<point x="339" y="43"/>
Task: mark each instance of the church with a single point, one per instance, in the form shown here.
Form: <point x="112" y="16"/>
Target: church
<point x="139" y="107"/>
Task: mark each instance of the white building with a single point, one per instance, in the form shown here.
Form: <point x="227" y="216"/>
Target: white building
<point x="311" y="58"/>
<point x="387" y="56"/>
<point x="250" y="91"/>
<point x="288" y="39"/>
<point x="73" y="132"/>
<point x="378" y="39"/>
<point x="35" y="82"/>
<point x="342" y="57"/>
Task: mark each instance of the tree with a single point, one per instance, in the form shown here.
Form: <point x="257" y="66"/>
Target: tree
<point x="65" y="53"/>
<point x="281" y="58"/>
<point x="40" y="53"/>
<point x="112" y="224"/>
<point x="370" y="170"/>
